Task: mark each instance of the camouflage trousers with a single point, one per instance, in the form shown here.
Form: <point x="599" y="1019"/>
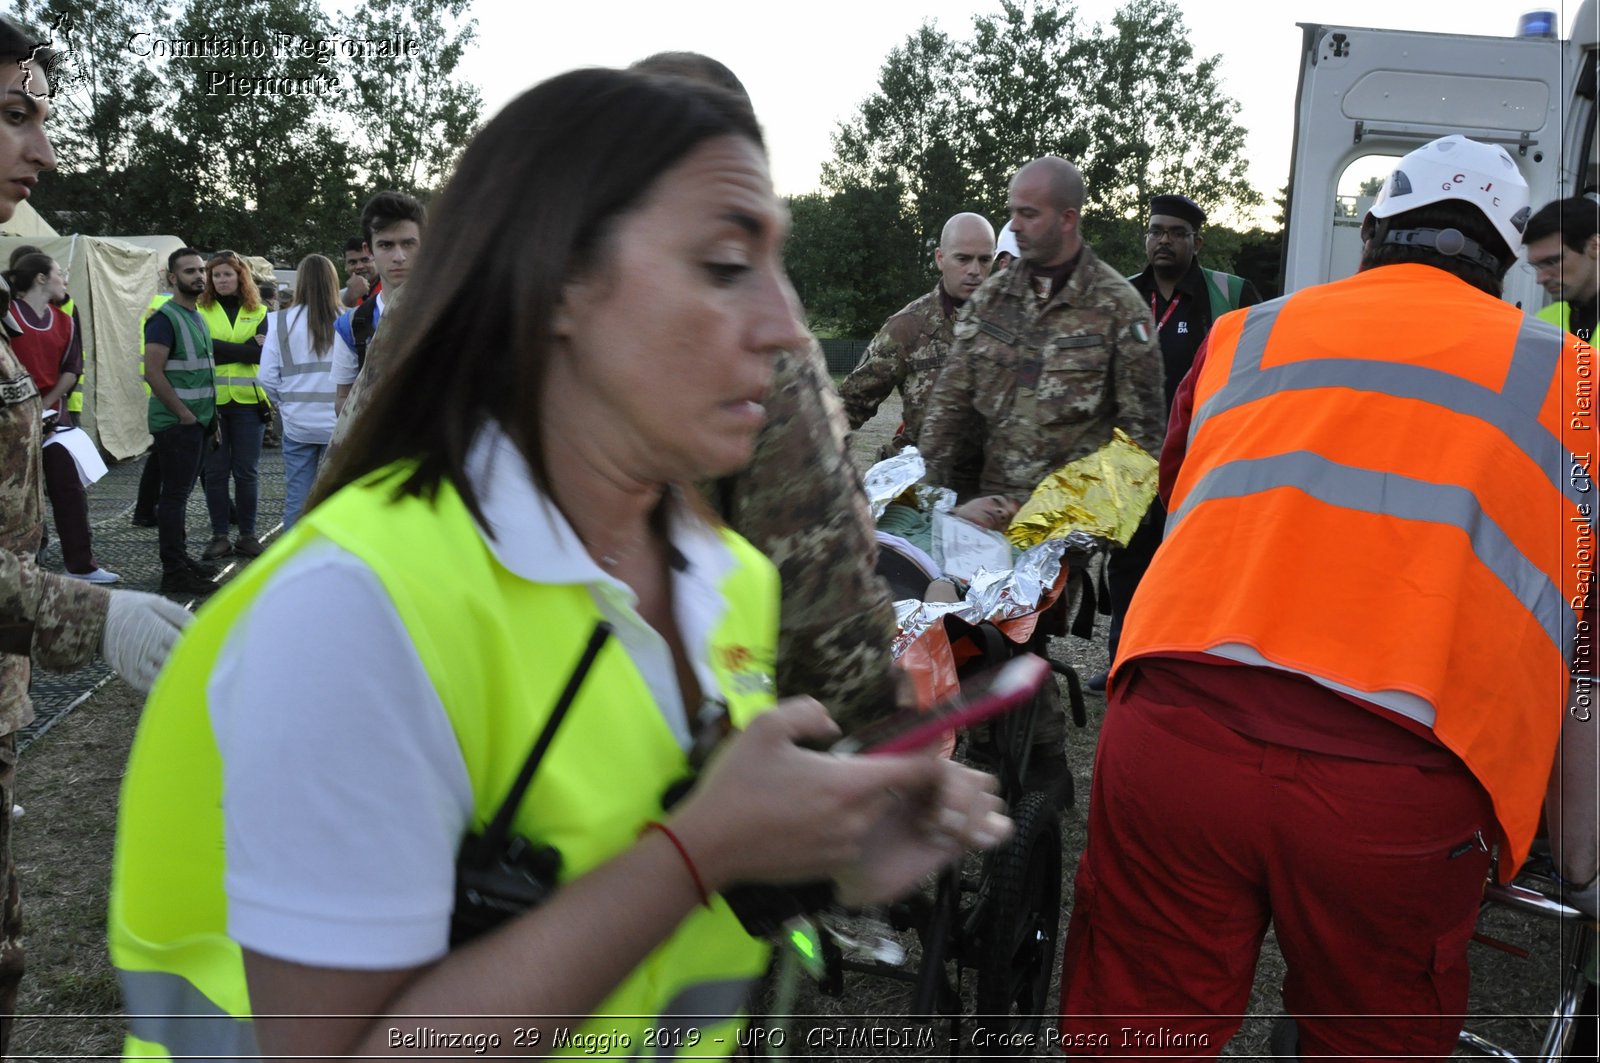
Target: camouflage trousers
<point x="11" y="913"/>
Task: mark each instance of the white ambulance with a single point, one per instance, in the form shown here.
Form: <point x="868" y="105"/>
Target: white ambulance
<point x="1368" y="96"/>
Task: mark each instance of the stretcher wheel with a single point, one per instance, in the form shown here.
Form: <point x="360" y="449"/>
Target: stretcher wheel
<point x="1020" y="942"/>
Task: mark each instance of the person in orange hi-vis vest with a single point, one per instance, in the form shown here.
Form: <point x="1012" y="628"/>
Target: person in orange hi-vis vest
<point x="1342" y="683"/>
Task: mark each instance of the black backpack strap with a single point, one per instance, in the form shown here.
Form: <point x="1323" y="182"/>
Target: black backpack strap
<point x="361" y="329"/>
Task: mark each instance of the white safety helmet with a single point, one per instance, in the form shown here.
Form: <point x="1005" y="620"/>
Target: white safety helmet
<point x="1006" y="242"/>
<point x="1454" y="167"/>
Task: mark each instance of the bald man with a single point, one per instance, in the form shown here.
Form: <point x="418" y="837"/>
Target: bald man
<point x="1049" y="356"/>
<point x="912" y="345"/>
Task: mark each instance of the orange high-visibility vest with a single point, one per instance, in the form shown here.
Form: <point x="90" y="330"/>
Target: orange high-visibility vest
<point x="1386" y="490"/>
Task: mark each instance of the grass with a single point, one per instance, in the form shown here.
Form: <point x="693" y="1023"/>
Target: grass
<point x="68" y="782"/>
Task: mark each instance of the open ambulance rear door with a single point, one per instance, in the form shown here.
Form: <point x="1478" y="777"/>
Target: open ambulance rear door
<point x="1369" y="92"/>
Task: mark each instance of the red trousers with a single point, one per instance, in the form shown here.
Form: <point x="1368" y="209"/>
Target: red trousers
<point x="1199" y="837"/>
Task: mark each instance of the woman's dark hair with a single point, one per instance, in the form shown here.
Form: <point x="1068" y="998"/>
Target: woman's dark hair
<point x="20" y="252"/>
<point x="695" y="66"/>
<point x="1449" y="214"/>
<point x="18" y="43"/>
<point x="26" y="271"/>
<point x="469" y="338"/>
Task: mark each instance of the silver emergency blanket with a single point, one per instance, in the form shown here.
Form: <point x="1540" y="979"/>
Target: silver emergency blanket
<point x="889" y="479"/>
<point x="995" y="596"/>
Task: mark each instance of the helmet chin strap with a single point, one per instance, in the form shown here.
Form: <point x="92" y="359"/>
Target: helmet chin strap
<point x="1446" y="242"/>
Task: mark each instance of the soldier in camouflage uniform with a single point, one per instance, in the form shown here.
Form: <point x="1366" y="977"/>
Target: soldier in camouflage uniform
<point x="908" y="351"/>
<point x="1049" y="356"/>
<point x="44" y="617"/>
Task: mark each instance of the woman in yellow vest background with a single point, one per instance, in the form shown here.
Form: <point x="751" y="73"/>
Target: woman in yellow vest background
<point x="237" y="318"/>
<point x="591" y="328"/>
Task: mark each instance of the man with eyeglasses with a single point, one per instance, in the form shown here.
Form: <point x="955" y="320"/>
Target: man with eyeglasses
<point x="1563" y="241"/>
<point x="1049" y="357"/>
<point x="1184" y="298"/>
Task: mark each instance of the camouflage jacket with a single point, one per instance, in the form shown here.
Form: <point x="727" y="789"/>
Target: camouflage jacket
<point x="906" y="354"/>
<point x="44" y="617"/>
<point x="800" y="502"/>
<point x="1032" y="385"/>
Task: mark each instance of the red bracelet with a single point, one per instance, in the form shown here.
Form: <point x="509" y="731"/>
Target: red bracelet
<point x="688" y="861"/>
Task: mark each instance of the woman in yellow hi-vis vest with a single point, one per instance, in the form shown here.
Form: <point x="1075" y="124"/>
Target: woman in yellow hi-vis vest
<point x="590" y="327"/>
<point x="237" y="318"/>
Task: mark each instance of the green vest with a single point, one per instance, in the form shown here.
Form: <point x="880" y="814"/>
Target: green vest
<point x="1225" y="290"/>
<point x="154" y="303"/>
<point x="1558" y="314"/>
<point x="473" y="624"/>
<point x="75" y="396"/>
<point x="189" y="370"/>
<point x="236" y="381"/>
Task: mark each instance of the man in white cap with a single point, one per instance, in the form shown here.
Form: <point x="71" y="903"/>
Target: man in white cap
<point x="1005" y="248"/>
<point x="1341" y="684"/>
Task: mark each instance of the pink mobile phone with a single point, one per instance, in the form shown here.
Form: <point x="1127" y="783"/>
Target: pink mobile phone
<point x="982" y="697"/>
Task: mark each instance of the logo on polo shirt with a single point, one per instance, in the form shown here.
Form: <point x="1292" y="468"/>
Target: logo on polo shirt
<point x="746" y="672"/>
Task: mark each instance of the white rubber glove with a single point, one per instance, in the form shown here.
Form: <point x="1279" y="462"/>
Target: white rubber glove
<point x="140" y="631"/>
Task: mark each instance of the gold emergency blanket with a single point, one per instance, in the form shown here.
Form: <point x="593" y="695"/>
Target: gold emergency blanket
<point x="1104" y="494"/>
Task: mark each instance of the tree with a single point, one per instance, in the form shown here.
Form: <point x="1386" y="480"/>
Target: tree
<point x="102" y="111"/>
<point x="910" y="133"/>
<point x="1027" y="76"/>
<point x="951" y="120"/>
<point x="256" y="133"/>
<point x="414" y="111"/>
<point x="844" y="279"/>
<point x="269" y="148"/>
<point x="1157" y="118"/>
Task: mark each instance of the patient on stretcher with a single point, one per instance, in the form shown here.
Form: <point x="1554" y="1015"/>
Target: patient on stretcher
<point x="905" y="546"/>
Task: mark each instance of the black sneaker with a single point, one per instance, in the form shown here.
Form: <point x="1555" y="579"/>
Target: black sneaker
<point x="200" y="568"/>
<point x="142" y="520"/>
<point x="1097" y="682"/>
<point x="186" y="584"/>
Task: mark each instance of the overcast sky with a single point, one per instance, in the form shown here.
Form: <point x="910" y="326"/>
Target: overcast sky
<point x="809" y="64"/>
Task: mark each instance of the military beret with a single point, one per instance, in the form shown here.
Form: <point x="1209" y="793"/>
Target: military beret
<point x="1179" y="207"/>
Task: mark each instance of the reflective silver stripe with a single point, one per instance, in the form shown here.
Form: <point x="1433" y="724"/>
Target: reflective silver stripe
<point x="177" y="364"/>
<point x="196" y="393"/>
<point x="295" y="398"/>
<point x="240" y="381"/>
<point x="701" y="1006"/>
<point x="1513" y="411"/>
<point x="166" y="1009"/>
<point x="302" y="368"/>
<point x="1390" y="495"/>
<point x="1535" y="361"/>
<point x="1247" y="354"/>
